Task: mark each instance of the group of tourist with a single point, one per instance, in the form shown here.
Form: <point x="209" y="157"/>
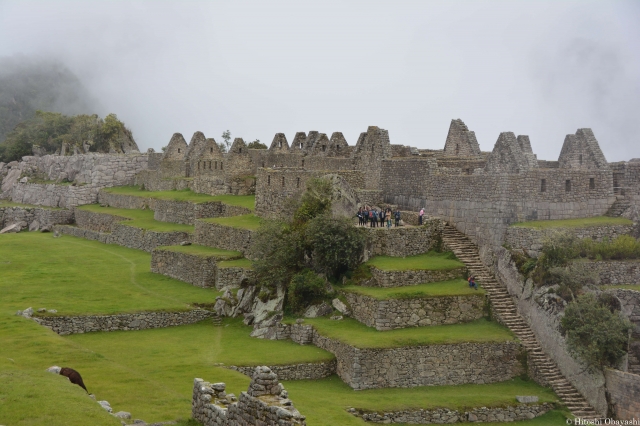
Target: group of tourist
<point x="371" y="216"/>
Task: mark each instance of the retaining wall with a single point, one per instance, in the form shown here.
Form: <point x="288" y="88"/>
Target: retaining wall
<point x="415" y="312"/>
<point x="623" y="392"/>
<point x="100" y="222"/>
<point x="186" y="212"/>
<point x="224" y="237"/>
<point x="44" y="216"/>
<point x="403" y="241"/>
<point x="232" y="277"/>
<point x="190" y="268"/>
<point x="383" y="278"/>
<point x="613" y="271"/>
<point x="308" y="371"/>
<point x="85" y="324"/>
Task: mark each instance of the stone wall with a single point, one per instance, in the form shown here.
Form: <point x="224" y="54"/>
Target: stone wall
<point x="233" y="277"/>
<point x="623" y="392"/>
<point x="429" y="365"/>
<point x="613" y="271"/>
<point x="265" y="403"/>
<point x="187" y="212"/>
<point x="545" y="325"/>
<point x="100" y="222"/>
<point x="308" y="371"/>
<point x="156" y="180"/>
<point x="30" y="215"/>
<point x="403" y="241"/>
<point x="190" y="268"/>
<point x="52" y="195"/>
<point x="224" y="237"/>
<point x="630" y="309"/>
<point x="122" y="201"/>
<point x="443" y="415"/>
<point x="531" y="240"/>
<point x="415" y="312"/>
<point x="383" y="278"/>
<point x="140" y="321"/>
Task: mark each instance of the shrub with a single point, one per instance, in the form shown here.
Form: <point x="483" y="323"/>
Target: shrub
<point x="280" y="253"/>
<point x="304" y="289"/>
<point x="595" y="334"/>
<point x="571" y="281"/>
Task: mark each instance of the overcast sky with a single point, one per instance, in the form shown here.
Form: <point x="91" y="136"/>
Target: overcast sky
<point x="543" y="68"/>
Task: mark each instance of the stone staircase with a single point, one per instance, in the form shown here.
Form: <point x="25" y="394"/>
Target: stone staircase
<point x="504" y="308"/>
<point x="618" y="207"/>
<point x="216" y="320"/>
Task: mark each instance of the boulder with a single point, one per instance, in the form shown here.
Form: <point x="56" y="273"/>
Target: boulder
<point x="123" y="415"/>
<point x="245" y="300"/>
<point x="526" y="399"/>
<point x="105" y="405"/>
<point x="262" y="310"/>
<point x="344" y="201"/>
<point x="340" y="306"/>
<point x="46" y="228"/>
<point x="319" y="310"/>
<point x="13" y="228"/>
<point x="34" y="226"/>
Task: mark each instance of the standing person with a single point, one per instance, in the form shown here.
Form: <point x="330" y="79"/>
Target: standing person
<point x="388" y="218"/>
<point x="374" y="218"/>
<point x="383" y="215"/>
<point x="359" y="214"/>
<point x="397" y="217"/>
<point x="420" y="216"/>
<point x="365" y="215"/>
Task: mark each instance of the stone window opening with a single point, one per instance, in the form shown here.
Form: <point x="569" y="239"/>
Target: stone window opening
<point x="324" y="148"/>
<point x="211" y="150"/>
<point x="263" y="164"/>
<point x="269" y="180"/>
<point x="338" y="147"/>
<point x="457" y="149"/>
<point x="543" y="185"/>
<point x="300" y="145"/>
<point x="372" y="148"/>
<point x="567" y="185"/>
<point x="282" y="180"/>
<point x="221" y="165"/>
<point x="298" y="183"/>
<point x="581" y="159"/>
<point x="178" y="150"/>
<point x="303" y="162"/>
<point x="239" y="150"/>
<point x="280" y="144"/>
<point x="592" y="183"/>
<point x="215" y="165"/>
<point x="209" y="165"/>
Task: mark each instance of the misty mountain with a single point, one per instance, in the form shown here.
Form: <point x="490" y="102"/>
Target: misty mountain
<point x="28" y="85"/>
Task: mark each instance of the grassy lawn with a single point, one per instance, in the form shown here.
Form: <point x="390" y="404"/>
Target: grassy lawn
<point x="431" y="261"/>
<point x="574" y="223"/>
<point x="458" y="287"/>
<point x="359" y="335"/>
<point x="635" y="287"/>
<point x="247" y="201"/>
<point x="247" y="221"/>
<point x="324" y="401"/>
<point x="76" y="276"/>
<point x="139" y="219"/>
<point x="203" y="251"/>
<point x="237" y="263"/>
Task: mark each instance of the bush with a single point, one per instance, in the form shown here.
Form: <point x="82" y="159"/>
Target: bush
<point x="571" y="281"/>
<point x="304" y="289"/>
<point x="280" y="253"/>
<point x="595" y="334"/>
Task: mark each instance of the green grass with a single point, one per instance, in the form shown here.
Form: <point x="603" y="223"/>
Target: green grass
<point x="635" y="287"/>
<point x="237" y="263"/>
<point x="359" y="335"/>
<point x="246" y="201"/>
<point x="574" y="223"/>
<point x="139" y="219"/>
<point x="432" y="261"/>
<point x="247" y="221"/>
<point x="76" y="276"/>
<point x="203" y="251"/>
<point x="457" y="287"/>
<point x="324" y="402"/>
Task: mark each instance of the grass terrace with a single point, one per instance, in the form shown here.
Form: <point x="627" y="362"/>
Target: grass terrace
<point x="76" y="277"/>
<point x="314" y="398"/>
<point x="203" y="251"/>
<point x="359" y="335"/>
<point x="457" y="287"/>
<point x="139" y="219"/>
<point x="236" y="263"/>
<point x="247" y="221"/>
<point x="574" y="223"/>
<point x="635" y="287"/>
<point x="247" y="201"/>
<point x="430" y="261"/>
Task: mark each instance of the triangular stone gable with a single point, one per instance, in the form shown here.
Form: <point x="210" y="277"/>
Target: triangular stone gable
<point x="198" y="140"/>
<point x="239" y="147"/>
<point x="507" y="156"/>
<point x="210" y="150"/>
<point x="525" y="147"/>
<point x="338" y="146"/>
<point x="177" y="148"/>
<point x="309" y="143"/>
<point x="298" y="142"/>
<point x="460" y="141"/>
<point x="582" y="151"/>
<point x="279" y="143"/>
<point x="321" y="145"/>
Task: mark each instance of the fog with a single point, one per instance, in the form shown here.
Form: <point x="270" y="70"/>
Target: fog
<point x="257" y="68"/>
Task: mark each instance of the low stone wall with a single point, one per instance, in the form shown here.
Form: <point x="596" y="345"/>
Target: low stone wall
<point x="403" y="241"/>
<point x="64" y="325"/>
<point x="531" y="240"/>
<point x="429" y="365"/>
<point x="309" y="371"/>
<point x="128" y="236"/>
<point x="415" y="312"/>
<point x="613" y="271"/>
<point x="43" y="216"/>
<point x="100" y="222"/>
<point x="224" y="237"/>
<point x="186" y="212"/>
<point x="52" y="195"/>
<point x="190" y="268"/>
<point x="623" y="393"/>
<point x="383" y="278"/>
<point x="122" y="201"/>
<point x="233" y="277"/>
<point x="154" y="180"/>
<point x="265" y="403"/>
<point x="443" y="415"/>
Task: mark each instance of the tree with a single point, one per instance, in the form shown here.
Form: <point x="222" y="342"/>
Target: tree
<point x="226" y="136"/>
<point x="256" y="145"/>
<point x="594" y="333"/>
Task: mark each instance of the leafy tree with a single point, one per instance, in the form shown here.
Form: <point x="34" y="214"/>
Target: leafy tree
<point x="304" y="289"/>
<point x="594" y="333"/>
<point x="256" y="145"/>
<point x="226" y="137"/>
<point x="280" y="253"/>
